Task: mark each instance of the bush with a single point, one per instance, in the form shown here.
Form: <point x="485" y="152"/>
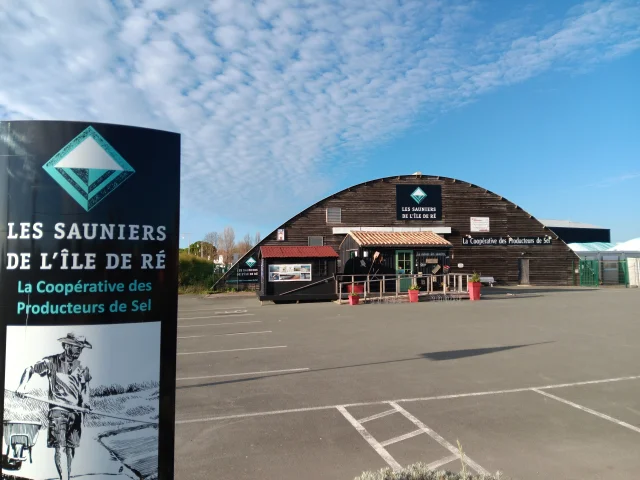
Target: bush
<point x="420" y="471"/>
<point x="195" y="274"/>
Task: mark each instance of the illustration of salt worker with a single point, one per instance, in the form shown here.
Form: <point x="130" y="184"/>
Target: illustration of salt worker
<point x="68" y="388"/>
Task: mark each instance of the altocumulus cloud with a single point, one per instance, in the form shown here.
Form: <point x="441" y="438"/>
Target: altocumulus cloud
<point x="276" y="89"/>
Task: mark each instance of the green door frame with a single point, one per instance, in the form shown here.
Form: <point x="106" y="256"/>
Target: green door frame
<point x="404" y="283"/>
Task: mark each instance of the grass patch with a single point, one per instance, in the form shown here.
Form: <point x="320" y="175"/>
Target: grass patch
<point x="116" y="389"/>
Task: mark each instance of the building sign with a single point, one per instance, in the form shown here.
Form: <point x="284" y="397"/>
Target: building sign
<point x="249" y="272"/>
<point x="419" y="202"/>
<point x="505" y="241"/>
<point x="480" y="224"/>
<point x="290" y="273"/>
<point x="280" y="236"/>
<point x="88" y="299"/>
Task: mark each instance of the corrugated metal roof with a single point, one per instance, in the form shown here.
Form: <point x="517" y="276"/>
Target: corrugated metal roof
<point x="567" y="224"/>
<point x="399" y="239"/>
<point x="590" y="247"/>
<point x="325" y="251"/>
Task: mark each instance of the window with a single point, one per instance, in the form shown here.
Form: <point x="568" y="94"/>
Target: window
<point x="334" y="215"/>
<point x="315" y="241"/>
<point x="321" y="268"/>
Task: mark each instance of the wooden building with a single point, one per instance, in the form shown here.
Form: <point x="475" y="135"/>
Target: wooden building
<point x="420" y="223"/>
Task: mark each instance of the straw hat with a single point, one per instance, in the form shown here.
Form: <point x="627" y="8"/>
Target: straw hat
<point x="77" y="340"/>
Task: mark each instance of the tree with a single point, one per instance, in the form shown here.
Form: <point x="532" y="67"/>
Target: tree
<point x="227" y="244"/>
<point x="213" y="238"/>
<point x="257" y="241"/>
<point x="245" y="245"/>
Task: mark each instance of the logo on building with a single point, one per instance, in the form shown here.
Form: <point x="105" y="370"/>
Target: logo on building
<point x="418" y="195"/>
<point x="250" y="262"/>
<point x="88" y="168"/>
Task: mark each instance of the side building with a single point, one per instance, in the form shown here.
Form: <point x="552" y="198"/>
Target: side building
<point x="419" y="224"/>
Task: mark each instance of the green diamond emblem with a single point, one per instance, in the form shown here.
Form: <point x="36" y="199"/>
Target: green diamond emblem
<point x="88" y="168"/>
<point x="250" y="262"/>
<point x="418" y="195"/>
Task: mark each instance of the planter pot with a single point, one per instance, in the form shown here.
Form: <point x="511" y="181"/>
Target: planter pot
<point x="354" y="299"/>
<point x="474" y="290"/>
<point x="413" y="295"/>
<point x="355" y="288"/>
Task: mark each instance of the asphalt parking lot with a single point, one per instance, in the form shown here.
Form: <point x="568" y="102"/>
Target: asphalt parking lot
<point x="540" y="384"/>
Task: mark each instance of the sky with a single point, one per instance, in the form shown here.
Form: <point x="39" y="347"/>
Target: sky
<point x="281" y="103"/>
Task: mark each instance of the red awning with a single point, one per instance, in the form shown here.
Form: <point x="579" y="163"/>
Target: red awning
<point x="298" y="252"/>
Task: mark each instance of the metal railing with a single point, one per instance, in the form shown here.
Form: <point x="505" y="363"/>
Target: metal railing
<point x="430" y="284"/>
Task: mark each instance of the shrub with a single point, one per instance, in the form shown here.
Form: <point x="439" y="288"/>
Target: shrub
<point x="475" y="277"/>
<point x="195" y="274"/>
<point x="420" y="471"/>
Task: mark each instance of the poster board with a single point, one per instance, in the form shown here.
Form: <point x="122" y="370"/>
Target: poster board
<point x="290" y="272"/>
<point x="89" y="223"/>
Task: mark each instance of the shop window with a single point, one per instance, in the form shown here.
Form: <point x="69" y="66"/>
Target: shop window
<point x="334" y="215"/>
<point x="315" y="241"/>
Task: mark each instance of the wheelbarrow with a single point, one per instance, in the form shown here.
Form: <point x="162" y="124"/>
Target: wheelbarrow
<point x="19" y="437"/>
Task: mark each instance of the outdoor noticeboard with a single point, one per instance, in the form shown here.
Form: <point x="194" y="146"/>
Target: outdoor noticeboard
<point x="89" y="218"/>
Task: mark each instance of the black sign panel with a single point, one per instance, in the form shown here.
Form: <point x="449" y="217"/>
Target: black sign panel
<point x="421" y="203"/>
<point x="505" y="241"/>
<point x="248" y="271"/>
<point x="89" y="218"/>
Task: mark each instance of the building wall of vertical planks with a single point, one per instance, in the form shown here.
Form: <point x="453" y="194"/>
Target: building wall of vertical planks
<point x="428" y="224"/>
<point x="89" y="221"/>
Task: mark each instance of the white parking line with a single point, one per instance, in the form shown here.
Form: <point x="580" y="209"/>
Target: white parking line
<point x="216" y="324"/>
<point x="219" y="312"/>
<point x="386" y="402"/>
<point x="443" y="461"/>
<point x="400" y="438"/>
<point x="379" y="415"/>
<point x="264" y="372"/>
<point x="588" y="410"/>
<point x="218" y="316"/>
<point x="226" y="334"/>
<point x="370" y="440"/>
<point x="438" y="438"/>
<point x="233" y="350"/>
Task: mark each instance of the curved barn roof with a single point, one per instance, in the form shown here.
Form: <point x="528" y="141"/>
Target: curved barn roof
<point x="416" y="175"/>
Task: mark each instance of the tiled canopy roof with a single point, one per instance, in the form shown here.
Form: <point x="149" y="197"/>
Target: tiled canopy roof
<point x="399" y="239"/>
<point x="298" y="252"/>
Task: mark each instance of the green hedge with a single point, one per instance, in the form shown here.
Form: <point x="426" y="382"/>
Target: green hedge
<point x="195" y="274"/>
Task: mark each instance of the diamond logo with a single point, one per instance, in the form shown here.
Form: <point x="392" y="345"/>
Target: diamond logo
<point x="251" y="262"/>
<point x="418" y="195"/>
<point x="88" y="168"/>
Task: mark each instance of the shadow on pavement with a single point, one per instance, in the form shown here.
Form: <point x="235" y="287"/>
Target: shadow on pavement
<point x="432" y="356"/>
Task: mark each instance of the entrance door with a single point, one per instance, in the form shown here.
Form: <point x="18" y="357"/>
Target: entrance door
<point x="524" y="271"/>
<point x="404" y="264"/>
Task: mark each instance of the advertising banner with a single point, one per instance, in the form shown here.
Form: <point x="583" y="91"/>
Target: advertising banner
<point x="290" y="273"/>
<point x="419" y="202"/>
<point x="89" y="218"/>
<point x="479" y="224"/>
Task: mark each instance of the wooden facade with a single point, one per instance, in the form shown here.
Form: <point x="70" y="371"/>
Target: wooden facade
<point x="373" y="204"/>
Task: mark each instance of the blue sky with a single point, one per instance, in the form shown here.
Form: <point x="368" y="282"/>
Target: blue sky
<point x="283" y="102"/>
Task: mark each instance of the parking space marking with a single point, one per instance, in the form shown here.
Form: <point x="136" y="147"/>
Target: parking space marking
<point x="378" y="415"/>
<point x="218" y="316"/>
<point x="264" y="372"/>
<point x="404" y="400"/>
<point x="386" y="456"/>
<point x="400" y="438"/>
<point x="226" y="334"/>
<point x="232" y="350"/>
<point x="216" y="324"/>
<point x="443" y="461"/>
<point x="219" y="312"/>
<point x="588" y="410"/>
<point x="438" y="438"/>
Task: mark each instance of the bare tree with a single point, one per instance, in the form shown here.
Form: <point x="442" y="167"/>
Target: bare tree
<point x="245" y="245"/>
<point x="257" y="240"/>
<point x="213" y="238"/>
<point x="227" y="244"/>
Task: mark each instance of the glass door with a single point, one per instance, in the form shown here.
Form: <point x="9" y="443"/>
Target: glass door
<point x="404" y="264"/>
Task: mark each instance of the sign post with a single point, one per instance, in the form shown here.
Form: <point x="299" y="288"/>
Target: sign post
<point x="89" y="218"/>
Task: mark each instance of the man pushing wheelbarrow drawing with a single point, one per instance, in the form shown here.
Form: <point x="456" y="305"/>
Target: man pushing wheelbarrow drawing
<point x="68" y="397"/>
